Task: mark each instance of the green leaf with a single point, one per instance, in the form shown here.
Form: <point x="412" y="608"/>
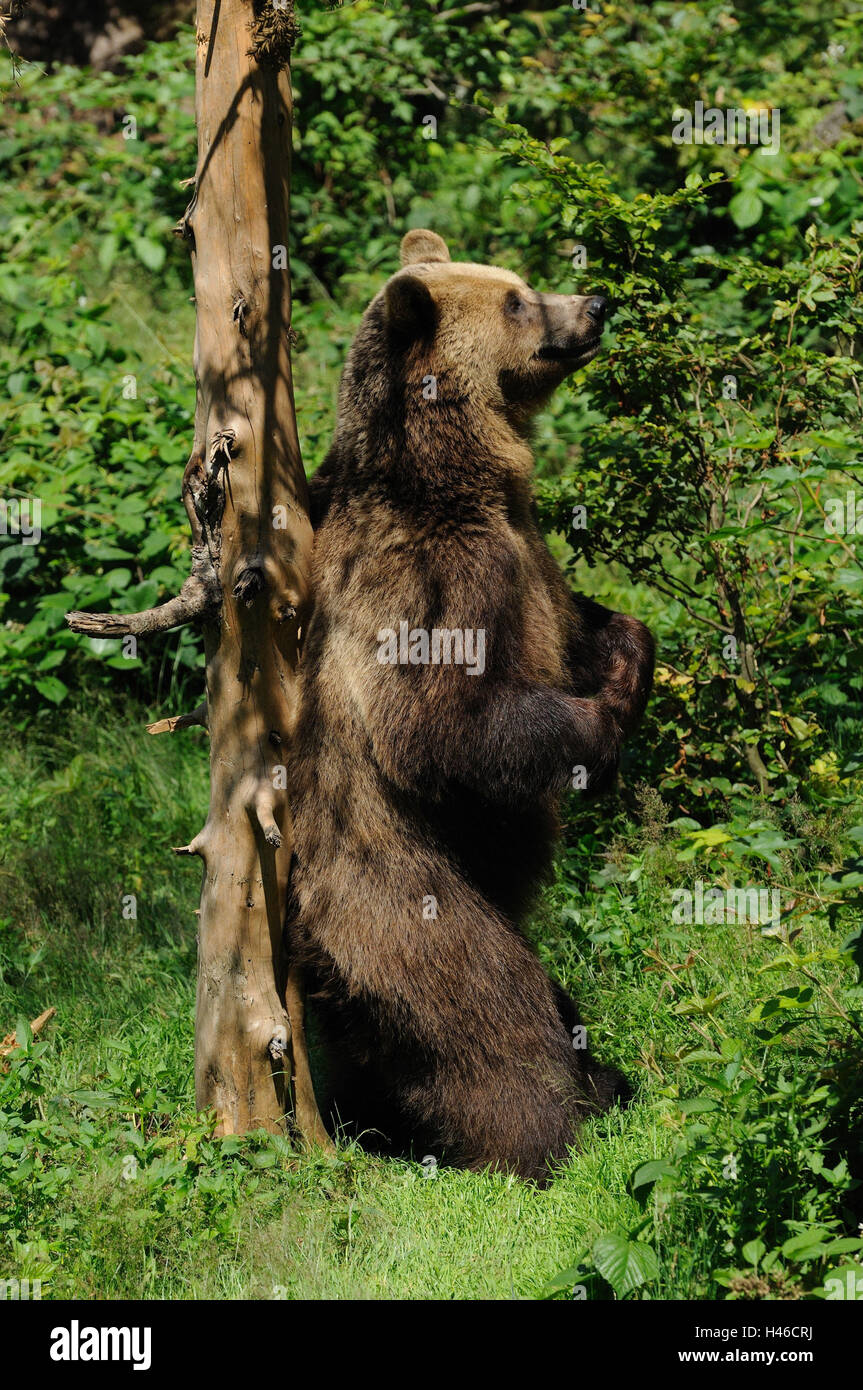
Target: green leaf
<point x="745" y="208"/>
<point x="807" y="1246"/>
<point x="753" y="1251"/>
<point x="150" y="252"/>
<point x="108" y="251"/>
<point x="52" y="689"/>
<point x="644" y="1179"/>
<point x="565" y="1279"/>
<point x="698" y="1105"/>
<point x="844" y="1245"/>
<point x="624" y="1264"/>
<point x="797" y="997"/>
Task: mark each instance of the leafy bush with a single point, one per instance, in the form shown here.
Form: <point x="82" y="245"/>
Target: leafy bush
<point x="753" y="1189"/>
<point x="718" y="432"/>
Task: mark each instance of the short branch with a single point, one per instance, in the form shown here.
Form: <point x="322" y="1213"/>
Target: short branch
<point x="265" y="813"/>
<point x="200" y="595"/>
<point x="195" y="846"/>
<point x="180" y="721"/>
<point x="10" y="1042"/>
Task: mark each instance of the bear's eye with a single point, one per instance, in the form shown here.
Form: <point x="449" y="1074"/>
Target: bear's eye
<point x="514" y="305"/>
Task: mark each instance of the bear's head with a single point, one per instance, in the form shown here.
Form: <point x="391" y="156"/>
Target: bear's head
<point x="475" y="339"/>
<point x="511" y="343"/>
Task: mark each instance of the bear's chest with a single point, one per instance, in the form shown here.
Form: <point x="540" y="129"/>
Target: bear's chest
<point x="541" y="645"/>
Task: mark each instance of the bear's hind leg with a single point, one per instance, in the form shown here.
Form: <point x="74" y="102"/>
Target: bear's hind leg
<point x="608" y="1085"/>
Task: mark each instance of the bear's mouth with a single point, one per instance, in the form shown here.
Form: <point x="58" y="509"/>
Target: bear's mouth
<point x="573" y="353"/>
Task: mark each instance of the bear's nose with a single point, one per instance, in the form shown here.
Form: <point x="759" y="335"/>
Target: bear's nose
<point x="597" y="307"/>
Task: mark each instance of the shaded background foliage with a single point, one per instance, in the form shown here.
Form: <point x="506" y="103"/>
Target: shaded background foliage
<point x="705" y="512"/>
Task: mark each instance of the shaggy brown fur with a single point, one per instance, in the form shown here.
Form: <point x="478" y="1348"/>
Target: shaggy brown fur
<point x="422" y="788"/>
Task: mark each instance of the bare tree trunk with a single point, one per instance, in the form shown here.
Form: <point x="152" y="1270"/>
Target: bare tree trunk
<point x="246" y="498"/>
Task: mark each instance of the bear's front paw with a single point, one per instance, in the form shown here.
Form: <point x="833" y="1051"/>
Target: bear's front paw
<point x="595" y="747"/>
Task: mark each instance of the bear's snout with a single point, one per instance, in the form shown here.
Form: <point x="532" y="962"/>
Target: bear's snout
<point x="573" y="326"/>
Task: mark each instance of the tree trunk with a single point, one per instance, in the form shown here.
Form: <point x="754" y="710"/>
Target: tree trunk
<point x="246" y="498"/>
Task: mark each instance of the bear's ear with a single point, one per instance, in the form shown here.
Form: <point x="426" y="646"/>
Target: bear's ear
<point x="420" y="245"/>
<point x="410" y="309"/>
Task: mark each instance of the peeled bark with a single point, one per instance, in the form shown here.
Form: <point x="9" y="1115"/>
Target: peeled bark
<point x="246" y="498"/>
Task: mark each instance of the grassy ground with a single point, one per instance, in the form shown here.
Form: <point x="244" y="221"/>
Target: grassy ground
<point x="111" y="1186"/>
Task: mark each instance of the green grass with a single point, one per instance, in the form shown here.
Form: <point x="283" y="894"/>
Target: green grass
<point x="111" y="1186"/>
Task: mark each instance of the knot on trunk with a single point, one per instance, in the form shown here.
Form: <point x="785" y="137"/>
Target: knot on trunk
<point x="250" y="582"/>
<point x="222" y="447"/>
<point x="274" y="32"/>
<point x="240" y="309"/>
<point x="278" y="1044"/>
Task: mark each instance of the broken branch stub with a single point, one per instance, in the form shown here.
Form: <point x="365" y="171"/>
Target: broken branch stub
<point x="196" y="718"/>
<point x="199" y="596"/>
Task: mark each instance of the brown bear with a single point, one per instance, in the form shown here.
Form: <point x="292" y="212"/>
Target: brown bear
<point x="450" y="684"/>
